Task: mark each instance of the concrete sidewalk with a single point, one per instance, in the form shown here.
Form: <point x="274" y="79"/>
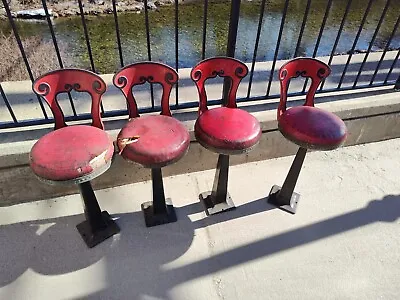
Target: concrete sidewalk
<point x="343" y="243"/>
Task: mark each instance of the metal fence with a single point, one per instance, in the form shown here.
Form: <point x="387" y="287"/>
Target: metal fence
<point x="235" y="7"/>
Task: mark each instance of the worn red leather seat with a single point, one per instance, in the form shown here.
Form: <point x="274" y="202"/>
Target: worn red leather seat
<point x="225" y="130"/>
<point x="153" y="141"/>
<point x="76" y="154"/>
<point x="162" y="140"/>
<point x="312" y="128"/>
<point x="307" y="126"/>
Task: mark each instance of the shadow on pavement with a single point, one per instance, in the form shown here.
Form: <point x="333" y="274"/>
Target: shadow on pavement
<point x="135" y="259"/>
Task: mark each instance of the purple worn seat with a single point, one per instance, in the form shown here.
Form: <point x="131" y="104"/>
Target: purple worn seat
<point x="312" y="128"/>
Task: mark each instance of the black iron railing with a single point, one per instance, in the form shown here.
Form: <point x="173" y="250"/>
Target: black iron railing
<point x="232" y="36"/>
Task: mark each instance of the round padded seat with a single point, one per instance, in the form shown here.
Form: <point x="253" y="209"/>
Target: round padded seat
<point x="227" y="130"/>
<point x="77" y="153"/>
<point x="312" y="128"/>
<point x="159" y="140"/>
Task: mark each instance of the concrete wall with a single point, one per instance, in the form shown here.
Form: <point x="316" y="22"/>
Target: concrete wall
<point x="370" y="115"/>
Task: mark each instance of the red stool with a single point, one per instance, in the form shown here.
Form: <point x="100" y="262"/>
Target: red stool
<point x="153" y="141"/>
<point x="76" y="154"/>
<point x="225" y="130"/>
<point x="307" y="126"/>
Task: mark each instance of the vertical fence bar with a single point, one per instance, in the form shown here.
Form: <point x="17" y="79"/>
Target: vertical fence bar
<point x="355" y="42"/>
<point x="372" y="42"/>
<point x="385" y="50"/>
<point x="285" y="8"/>
<point x="53" y="37"/>
<point x="146" y="21"/>
<point x="303" y="25"/>
<point x="327" y="10"/>
<point x="8" y="104"/>
<point x="203" y="46"/>
<point x="392" y="67"/>
<point x="233" y="28"/>
<point x="253" y="63"/>
<point x="339" y="34"/>
<point x="89" y="48"/>
<point x="176" y="49"/>
<point x="85" y="32"/>
<point x="121" y="58"/>
<point x="231" y="45"/>
<point x="22" y="51"/>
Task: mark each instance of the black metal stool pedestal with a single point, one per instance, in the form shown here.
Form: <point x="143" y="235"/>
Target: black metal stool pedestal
<point x="218" y="200"/>
<point x="226" y="130"/>
<point x="160" y="210"/>
<point x="284" y="197"/>
<point x="98" y="225"/>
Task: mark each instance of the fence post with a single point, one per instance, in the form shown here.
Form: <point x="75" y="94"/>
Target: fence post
<point x="231" y="46"/>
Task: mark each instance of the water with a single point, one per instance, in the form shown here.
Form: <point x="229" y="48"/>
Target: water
<point x="133" y="35"/>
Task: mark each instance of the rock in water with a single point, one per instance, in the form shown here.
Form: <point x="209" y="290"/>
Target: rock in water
<point x="151" y="5"/>
<point x="33" y="14"/>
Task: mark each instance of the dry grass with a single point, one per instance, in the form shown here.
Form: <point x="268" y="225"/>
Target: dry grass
<point x="41" y="57"/>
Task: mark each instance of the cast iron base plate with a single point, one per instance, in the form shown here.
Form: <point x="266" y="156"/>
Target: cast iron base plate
<point x="211" y="208"/>
<point x="274" y="200"/>
<point x="93" y="238"/>
<point x="152" y="219"/>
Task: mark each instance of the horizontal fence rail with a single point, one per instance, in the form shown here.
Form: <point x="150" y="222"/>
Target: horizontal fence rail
<point x="262" y="82"/>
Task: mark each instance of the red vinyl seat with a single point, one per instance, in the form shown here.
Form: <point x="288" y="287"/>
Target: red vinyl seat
<point x="74" y="153"/>
<point x="213" y="130"/>
<point x="162" y="140"/>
